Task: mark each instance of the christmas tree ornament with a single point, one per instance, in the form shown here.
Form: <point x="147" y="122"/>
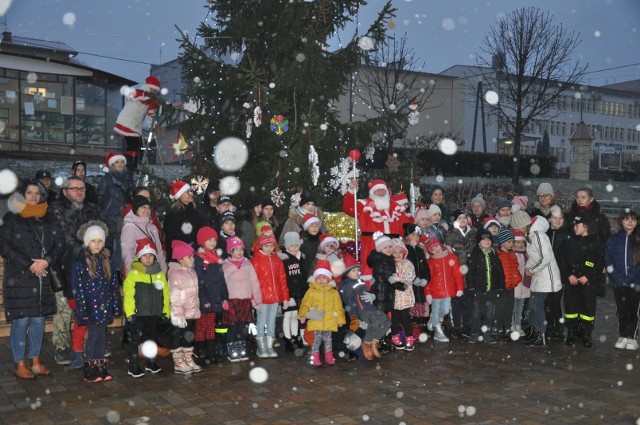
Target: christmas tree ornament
<point x="393" y="164"/>
<point x="199" y="184"/>
<point x="230" y="154"/>
<point x="249" y="128"/>
<point x="279" y="124"/>
<point x="354" y="154"/>
<point x="277" y="197"/>
<point x="313" y="161"/>
<point x="413" y="105"/>
<point x="180" y="147"/>
<point x="369" y="152"/>
<point x="342" y="175"/>
<point x="365" y="43"/>
<point x="414" y="118"/>
<point x="392" y="24"/>
<point x="257" y="116"/>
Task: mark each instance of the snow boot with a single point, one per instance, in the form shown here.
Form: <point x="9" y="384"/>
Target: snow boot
<point x="188" y="359"/>
<point x="315" y="359"/>
<point x="328" y="358"/>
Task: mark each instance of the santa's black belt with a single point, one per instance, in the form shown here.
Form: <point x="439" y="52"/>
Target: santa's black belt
<point x="391" y="235"/>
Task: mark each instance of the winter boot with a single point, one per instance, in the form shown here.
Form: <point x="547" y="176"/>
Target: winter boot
<point x="200" y="354"/>
<point x="150" y="365"/>
<point x="179" y="365"/>
<point x="416" y="329"/>
<point x="269" y="347"/>
<point x="367" y="350"/>
<point x="571" y="337"/>
<point x="397" y="342"/>
<point x="211" y="351"/>
<point x="232" y="352"/>
<point x="374" y="348"/>
<point x="540" y="341"/>
<point x="410" y="344"/>
<point x="529" y="334"/>
<point x="262" y="352"/>
<point x="586" y="339"/>
<point x="38" y="368"/>
<point x="134" y="368"/>
<point x="102" y="371"/>
<point x="188" y="359"/>
<point x="386" y="346"/>
<point x="328" y="358"/>
<point x="242" y="350"/>
<point x="439" y="335"/>
<point x="288" y="344"/>
<point x="22" y="371"/>
<point x="315" y="359"/>
<point x="78" y="359"/>
<point x="91" y="371"/>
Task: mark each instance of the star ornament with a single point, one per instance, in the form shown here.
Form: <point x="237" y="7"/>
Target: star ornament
<point x="180" y="147"/>
<point x="279" y="124"/>
<point x="199" y="183"/>
<point x="392" y="24"/>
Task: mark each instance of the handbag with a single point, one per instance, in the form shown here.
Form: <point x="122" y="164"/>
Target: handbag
<point x="57" y="278"/>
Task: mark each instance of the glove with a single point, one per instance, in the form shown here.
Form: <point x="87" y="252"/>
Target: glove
<point x="368" y="297"/>
<point x="253" y="329"/>
<point x="354" y="323"/>
<point x="363" y="325"/>
<point x="423" y="283"/>
<point x="131" y="319"/>
<point x="314" y="314"/>
<point x="292" y="302"/>
<point x="163" y="320"/>
<point x="459" y="294"/>
<point x="417" y="281"/>
<point x="429" y="299"/>
<point x="225" y="305"/>
<point x="393" y="278"/>
<point x="285" y="304"/>
<point x="179" y="322"/>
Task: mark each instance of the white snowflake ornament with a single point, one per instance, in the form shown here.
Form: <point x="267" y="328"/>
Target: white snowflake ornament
<point x="342" y="175"/>
<point x="295" y="199"/>
<point x="414" y="118"/>
<point x="369" y="152"/>
<point x="277" y="197"/>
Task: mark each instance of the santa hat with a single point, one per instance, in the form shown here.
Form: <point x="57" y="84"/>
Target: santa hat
<point x="266" y="238"/>
<point x="206" y="233"/>
<point x="234" y="242"/>
<point x="432" y="244"/>
<point x="490" y="221"/>
<point x="112" y="157"/>
<point x="350" y="263"/>
<point x="519" y="236"/>
<point x="177" y="189"/>
<point x="323" y="268"/>
<point x="381" y="240"/>
<point x="152" y="83"/>
<point x="377" y="184"/>
<point x="328" y="238"/>
<point x="145" y="246"/>
<point x="308" y="220"/>
<point x="180" y="249"/>
<point x="519" y="203"/>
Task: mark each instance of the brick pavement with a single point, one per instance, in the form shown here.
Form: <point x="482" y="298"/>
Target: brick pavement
<point x="454" y="383"/>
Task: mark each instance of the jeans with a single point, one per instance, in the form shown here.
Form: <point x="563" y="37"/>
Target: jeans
<point x="518" y="307"/>
<point x="439" y="308"/>
<point x="34" y="326"/>
<point x="96" y="341"/>
<point x="537" y="317"/>
<point x="266" y="315"/>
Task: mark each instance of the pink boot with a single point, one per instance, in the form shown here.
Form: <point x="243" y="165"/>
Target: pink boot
<point x="410" y="344"/>
<point x="315" y="359"/>
<point x="328" y="358"/>
<point x="397" y="342"/>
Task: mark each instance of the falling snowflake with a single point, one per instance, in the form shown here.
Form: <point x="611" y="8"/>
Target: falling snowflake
<point x="313" y="161"/>
<point x="414" y="118"/>
<point x="257" y="116"/>
<point x="295" y="199"/>
<point x="369" y="152"/>
<point x="199" y="183"/>
<point x="342" y="175"/>
<point x="277" y="197"/>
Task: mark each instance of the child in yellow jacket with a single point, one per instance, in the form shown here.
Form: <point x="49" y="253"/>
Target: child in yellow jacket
<point x="322" y="306"/>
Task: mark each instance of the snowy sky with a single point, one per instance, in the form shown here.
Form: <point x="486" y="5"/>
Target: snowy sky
<point x="442" y="33"/>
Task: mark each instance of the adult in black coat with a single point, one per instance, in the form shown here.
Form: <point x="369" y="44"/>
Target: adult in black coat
<point x="182" y="221"/>
<point x="79" y="169"/>
<point x="29" y="243"/>
<point x="585" y="202"/>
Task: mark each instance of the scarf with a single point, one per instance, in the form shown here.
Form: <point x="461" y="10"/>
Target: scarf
<point x="302" y="212"/>
<point x="235" y="262"/>
<point x="37" y="211"/>
<point x="208" y="256"/>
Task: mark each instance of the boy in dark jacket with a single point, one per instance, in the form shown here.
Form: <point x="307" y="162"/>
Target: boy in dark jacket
<point x="485" y="281"/>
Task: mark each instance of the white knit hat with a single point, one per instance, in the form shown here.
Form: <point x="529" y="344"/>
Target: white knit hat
<point x="381" y="241"/>
<point x="94" y="232"/>
<point x="433" y="209"/>
<point x="545" y="189"/>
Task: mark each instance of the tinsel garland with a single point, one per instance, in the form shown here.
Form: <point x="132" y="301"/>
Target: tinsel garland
<point x="341" y="226"/>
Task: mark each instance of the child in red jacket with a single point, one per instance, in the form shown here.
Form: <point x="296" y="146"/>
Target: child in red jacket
<point x="273" y="283"/>
<point x="512" y="277"/>
<point x="446" y="282"/>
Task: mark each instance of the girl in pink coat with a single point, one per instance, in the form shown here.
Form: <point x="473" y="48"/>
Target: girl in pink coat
<point x="185" y="306"/>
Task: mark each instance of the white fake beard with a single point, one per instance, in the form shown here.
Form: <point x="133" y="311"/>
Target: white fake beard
<point x="382" y="202"/>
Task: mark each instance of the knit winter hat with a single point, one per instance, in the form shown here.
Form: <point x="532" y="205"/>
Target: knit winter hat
<point x="306" y="197"/>
<point x="432" y="244"/>
<point x="483" y="234"/>
<point x="266" y="238"/>
<point x="94" y="232"/>
<point x="519" y="203"/>
<point x="139" y="201"/>
<point x="490" y="221"/>
<point x="421" y="213"/>
<point x="309" y="219"/>
<point x="253" y="201"/>
<point x="323" y="268"/>
<point x="177" y="189"/>
<point x="205" y="233"/>
<point x="352" y="341"/>
<point x="327" y="239"/>
<point x="584" y="218"/>
<point x="518" y="235"/>
<point x="381" y="241"/>
<point x="520" y="219"/>
<point x="180" y="249"/>
<point x="262" y="224"/>
<point x="505" y="235"/>
<point x="457" y="213"/>
<point x="502" y="203"/>
<point x="112" y="157"/>
<point x="479" y="199"/>
<point x="545" y="189"/>
<point x="399" y="243"/>
<point x="145" y="246"/>
<point x="410" y="228"/>
<point x="291" y="239"/>
<point x="555" y="211"/>
<point x="234" y="242"/>
<point x="227" y="216"/>
<point x="433" y="209"/>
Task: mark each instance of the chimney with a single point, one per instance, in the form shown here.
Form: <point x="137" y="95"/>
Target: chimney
<point x="6" y="36"/>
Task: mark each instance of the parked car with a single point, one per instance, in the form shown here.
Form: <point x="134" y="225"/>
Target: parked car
<point x="626" y="175"/>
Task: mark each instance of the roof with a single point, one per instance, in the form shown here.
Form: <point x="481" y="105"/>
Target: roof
<point x="35" y="43"/>
<point x="581" y="132"/>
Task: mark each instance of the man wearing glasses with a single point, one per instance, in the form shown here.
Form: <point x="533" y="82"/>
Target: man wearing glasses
<point x="71" y="211"/>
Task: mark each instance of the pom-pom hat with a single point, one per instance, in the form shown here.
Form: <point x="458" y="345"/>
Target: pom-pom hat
<point x="178" y="188"/>
<point x="206" y="233"/>
<point x="377" y="184"/>
<point x="519" y="219"/>
<point x="323" y="268"/>
<point x="308" y="220"/>
<point x="381" y="241"/>
<point x="180" y="249"/>
<point x="145" y="246"/>
<point x="112" y="157"/>
<point x="234" y="242"/>
<point x="266" y="238"/>
<point x="478" y="199"/>
<point x="545" y="189"/>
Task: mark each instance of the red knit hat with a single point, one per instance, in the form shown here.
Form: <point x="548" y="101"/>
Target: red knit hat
<point x="113" y="157"/>
<point x="323" y="268"/>
<point x="234" y="242"/>
<point x="177" y="189"/>
<point x="266" y="238"/>
<point x="145" y="246"/>
<point x="180" y="249"/>
<point x="432" y="244"/>
<point x="205" y="233"/>
<point x="327" y="238"/>
<point x="308" y="220"/>
<point x="152" y="82"/>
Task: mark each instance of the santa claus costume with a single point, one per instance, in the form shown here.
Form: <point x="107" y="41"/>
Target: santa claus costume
<point x="377" y="213"/>
<point x="138" y="104"/>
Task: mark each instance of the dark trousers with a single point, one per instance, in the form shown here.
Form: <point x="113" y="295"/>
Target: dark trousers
<point x="627" y="303"/>
<point x="484" y="304"/>
<point x="183" y="337"/>
<point x="580" y="305"/>
<point x="237" y="332"/>
<point x="378" y="324"/>
<point x="96" y="340"/>
<point x="553" y="308"/>
<point x="462" y="311"/>
<point x="401" y="318"/>
<point x="145" y="328"/>
<point x="504" y="309"/>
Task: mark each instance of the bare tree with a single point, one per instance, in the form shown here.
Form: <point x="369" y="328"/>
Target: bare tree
<point x="393" y="87"/>
<point x="533" y="63"/>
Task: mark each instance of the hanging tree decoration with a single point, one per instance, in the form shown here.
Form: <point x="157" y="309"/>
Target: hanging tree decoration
<point x="393" y="164"/>
<point x="414" y="117"/>
<point x="199" y="184"/>
<point x="277" y="197"/>
<point x="369" y="152"/>
<point x="181" y="147"/>
<point x="313" y="161"/>
<point x="257" y="112"/>
<point x="342" y="175"/>
<point x="279" y="124"/>
<point x="295" y="199"/>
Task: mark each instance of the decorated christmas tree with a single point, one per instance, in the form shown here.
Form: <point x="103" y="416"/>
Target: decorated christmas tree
<point x="262" y="72"/>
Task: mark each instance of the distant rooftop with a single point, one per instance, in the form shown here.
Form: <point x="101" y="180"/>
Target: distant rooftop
<point x="35" y="46"/>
